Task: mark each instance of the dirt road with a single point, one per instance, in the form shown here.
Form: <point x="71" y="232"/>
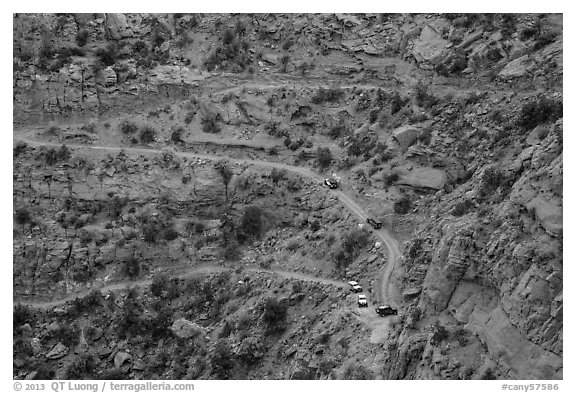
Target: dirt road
<point x="386" y="295"/>
<point x="112" y="287"/>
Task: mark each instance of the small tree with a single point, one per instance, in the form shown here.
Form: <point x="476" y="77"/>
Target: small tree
<point x="251" y="223"/>
<point x="128" y="128"/>
<point x="23" y="217"/>
<point x="274" y="315"/>
<point x="147" y="134"/>
<point x="176" y="135"/>
<point x="225" y="173"/>
<point x="132" y="267"/>
<point x="210" y="124"/>
<point x="324" y="157"/>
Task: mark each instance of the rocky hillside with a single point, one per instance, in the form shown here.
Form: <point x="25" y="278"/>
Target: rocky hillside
<point x="447" y="128"/>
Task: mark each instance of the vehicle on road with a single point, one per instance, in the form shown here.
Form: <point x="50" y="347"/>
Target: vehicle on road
<point x="386" y="310"/>
<point x="331" y="183"/>
<point x="362" y="301"/>
<point x="355" y="287"/>
<point x="375" y="224"/>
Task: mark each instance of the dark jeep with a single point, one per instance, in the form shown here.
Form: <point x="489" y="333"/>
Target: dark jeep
<point x="384" y="311"/>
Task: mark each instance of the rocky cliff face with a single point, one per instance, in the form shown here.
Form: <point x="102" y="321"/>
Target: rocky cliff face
<point x="464" y="110"/>
<point x="497" y="269"/>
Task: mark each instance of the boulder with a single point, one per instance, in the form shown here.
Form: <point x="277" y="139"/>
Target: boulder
<point x="183" y="328"/>
<point x="139" y="365"/>
<point x="425" y="178"/>
<point x="117" y="26"/>
<point x="429" y="47"/>
<point x="549" y="214"/>
<point x="518" y="67"/>
<point x="405" y="135"/>
<point x="120" y="358"/>
<point x="60" y="350"/>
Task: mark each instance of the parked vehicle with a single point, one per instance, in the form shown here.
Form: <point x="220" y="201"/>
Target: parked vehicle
<point x="331" y="183"/>
<point x="375" y="224"/>
<point x="355" y="287"/>
<point x="386" y="310"/>
<point x="362" y="301"/>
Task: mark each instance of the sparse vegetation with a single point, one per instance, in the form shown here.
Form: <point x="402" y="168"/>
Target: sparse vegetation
<point x="232" y="53"/>
<point x="324" y="157"/>
<point x="147" y="134"/>
<point x="210" y="124"/>
<point x="538" y="111"/>
<point x="403" y="205"/>
<point x="327" y="95"/>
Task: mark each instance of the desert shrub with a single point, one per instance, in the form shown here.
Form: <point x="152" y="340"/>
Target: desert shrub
<point x="327" y="95"/>
<point x="302" y="156"/>
<point x="131" y="267"/>
<point x="278" y="174"/>
<point x="403" y="205"/>
<point x="274" y="315"/>
<point x="528" y="32"/>
<point x="251" y="221"/>
<point x="314" y="225"/>
<point x="423" y="98"/>
<point x="176" y="135"/>
<point x="199" y="227"/>
<point x="128" y="128"/>
<point x="295" y="145"/>
<point x="222" y="359"/>
<point x="230" y="250"/>
<point x="189" y="117"/>
<point x="170" y="234"/>
<point x="538" y="111"/>
<point x="21" y="315"/>
<point x="273" y="151"/>
<point x="544" y="40"/>
<point x="492" y="178"/>
<point x="293" y="184"/>
<point x="439" y="334"/>
<point x="355" y="240"/>
<point x="338" y="131"/>
<point x="22" y="216"/>
<point x="19" y="148"/>
<point x="82" y="37"/>
<point x="232" y="53"/>
<point x="210" y="124"/>
<point x="462" y="208"/>
<point x="324" y="157"/>
<point x="68" y="335"/>
<point x="107" y="55"/>
<point x="147" y="134"/>
<point x="251" y="350"/>
<point x="391" y="178"/>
